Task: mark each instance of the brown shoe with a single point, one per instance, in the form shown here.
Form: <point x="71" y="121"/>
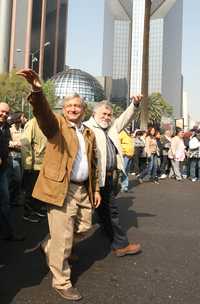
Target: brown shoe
<point x="69" y="294"/>
<point x="130" y="249"/>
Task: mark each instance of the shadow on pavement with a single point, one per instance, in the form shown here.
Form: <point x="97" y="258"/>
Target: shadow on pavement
<point x="20" y="269"/>
<point x="93" y="249"/>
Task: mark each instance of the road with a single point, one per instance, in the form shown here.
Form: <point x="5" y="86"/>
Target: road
<point x="164" y="218"/>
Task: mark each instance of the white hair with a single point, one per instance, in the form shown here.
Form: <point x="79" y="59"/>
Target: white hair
<point x="103" y="103"/>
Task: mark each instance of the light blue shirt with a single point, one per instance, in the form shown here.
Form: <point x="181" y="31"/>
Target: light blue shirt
<point x="80" y="165"/>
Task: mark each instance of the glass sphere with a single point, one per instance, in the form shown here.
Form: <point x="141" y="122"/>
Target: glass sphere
<point x="73" y="81"/>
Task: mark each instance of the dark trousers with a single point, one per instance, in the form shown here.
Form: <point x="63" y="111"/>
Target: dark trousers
<point x="5" y="211"/>
<point x="108" y="213"/>
<point x="29" y="180"/>
<point x="165" y="164"/>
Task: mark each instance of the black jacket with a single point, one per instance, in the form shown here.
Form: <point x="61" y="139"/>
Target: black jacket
<point x="4" y="143"/>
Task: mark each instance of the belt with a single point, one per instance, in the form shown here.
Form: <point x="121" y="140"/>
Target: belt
<point x="78" y="183"/>
<point x="109" y="173"/>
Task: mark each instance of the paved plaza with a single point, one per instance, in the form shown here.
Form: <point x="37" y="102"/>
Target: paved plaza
<point x="164" y="218"/>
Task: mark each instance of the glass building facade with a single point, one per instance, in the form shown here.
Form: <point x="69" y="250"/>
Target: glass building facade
<point x="121" y="60"/>
<point x="37" y="36"/>
<point x="74" y="81"/>
<point x="54" y="18"/>
<point x="156" y="55"/>
<point x="137" y="46"/>
<point x="165" y="50"/>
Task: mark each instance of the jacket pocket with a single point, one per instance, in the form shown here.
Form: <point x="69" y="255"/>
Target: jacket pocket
<point x="54" y="174"/>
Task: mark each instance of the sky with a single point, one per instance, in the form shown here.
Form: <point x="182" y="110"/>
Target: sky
<point x="191" y="55"/>
<point x="84" y="23"/>
<point x="85" y="20"/>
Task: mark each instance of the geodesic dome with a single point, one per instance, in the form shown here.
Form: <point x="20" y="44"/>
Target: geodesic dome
<point x="74" y="81"/>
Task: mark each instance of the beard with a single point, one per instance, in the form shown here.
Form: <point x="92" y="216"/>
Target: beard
<point x="103" y="124"/>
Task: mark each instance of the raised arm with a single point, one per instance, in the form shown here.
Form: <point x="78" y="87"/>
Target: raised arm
<point x="125" y="118"/>
<point x="41" y="109"/>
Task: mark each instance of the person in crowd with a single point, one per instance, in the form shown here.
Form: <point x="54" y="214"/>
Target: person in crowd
<point x="151" y="149"/>
<point x="33" y="144"/>
<point x="165" y="163"/>
<point x="177" y="154"/>
<point x="15" y="166"/>
<point x="68" y="180"/>
<point x="194" y="155"/>
<point x="160" y="152"/>
<point x="139" y="154"/>
<point x="110" y="159"/>
<point x="127" y="146"/>
<point x="6" y="220"/>
<point x="185" y="168"/>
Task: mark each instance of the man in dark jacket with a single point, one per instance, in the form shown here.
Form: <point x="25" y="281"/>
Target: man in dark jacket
<point x="5" y="214"/>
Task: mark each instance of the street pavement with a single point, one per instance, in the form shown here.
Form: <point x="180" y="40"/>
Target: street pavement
<point x="164" y="218"/>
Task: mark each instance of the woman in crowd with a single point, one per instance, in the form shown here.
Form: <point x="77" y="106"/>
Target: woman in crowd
<point x="139" y="154"/>
<point x="177" y="154"/>
<point x="151" y="149"/>
<point x="165" y="163"/>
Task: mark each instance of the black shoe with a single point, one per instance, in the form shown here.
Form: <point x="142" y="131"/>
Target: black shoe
<point x="32" y="218"/>
<point x="14" y="238"/>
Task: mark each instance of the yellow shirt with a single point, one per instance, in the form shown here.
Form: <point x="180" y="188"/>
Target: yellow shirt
<point x="127" y="144"/>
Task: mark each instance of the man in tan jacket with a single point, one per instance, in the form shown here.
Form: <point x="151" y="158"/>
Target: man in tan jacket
<point x="68" y="180"/>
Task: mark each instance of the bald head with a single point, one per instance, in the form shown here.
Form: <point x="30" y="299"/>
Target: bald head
<point x="4" y="112"/>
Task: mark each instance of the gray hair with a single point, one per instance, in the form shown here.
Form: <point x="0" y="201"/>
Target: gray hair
<point x="75" y="95"/>
<point x="103" y="103"/>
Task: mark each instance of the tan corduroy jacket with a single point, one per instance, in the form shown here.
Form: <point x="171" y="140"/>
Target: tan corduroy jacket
<point x="61" y="150"/>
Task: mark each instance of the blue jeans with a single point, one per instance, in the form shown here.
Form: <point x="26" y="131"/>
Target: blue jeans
<point x="124" y="178"/>
<point x="14" y="178"/>
<point x="152" y="166"/>
<point x="5" y="211"/>
<point x="195" y="168"/>
<point x="151" y="170"/>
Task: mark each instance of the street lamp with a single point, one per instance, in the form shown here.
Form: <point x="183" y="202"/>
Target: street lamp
<point x="34" y="58"/>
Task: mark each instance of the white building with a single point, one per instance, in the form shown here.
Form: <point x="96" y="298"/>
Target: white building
<point x="165" y="51"/>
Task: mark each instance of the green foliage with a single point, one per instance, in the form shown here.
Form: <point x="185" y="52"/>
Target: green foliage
<point x="49" y="90"/>
<point x="14" y="91"/>
<point x="157" y="108"/>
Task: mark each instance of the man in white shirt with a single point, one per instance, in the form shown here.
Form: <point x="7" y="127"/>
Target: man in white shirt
<point x="68" y="180"/>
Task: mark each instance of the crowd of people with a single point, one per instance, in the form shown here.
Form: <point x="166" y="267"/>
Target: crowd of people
<point x="153" y="155"/>
<point x="64" y="168"/>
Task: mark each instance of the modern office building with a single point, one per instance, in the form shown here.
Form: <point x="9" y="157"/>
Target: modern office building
<point x="119" y="45"/>
<point x="33" y="34"/>
<point x="165" y="50"/>
<point x="165" y="57"/>
<point x="106" y="54"/>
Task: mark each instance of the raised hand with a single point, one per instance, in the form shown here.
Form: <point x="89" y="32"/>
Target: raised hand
<point x="32" y="78"/>
<point x="136" y="99"/>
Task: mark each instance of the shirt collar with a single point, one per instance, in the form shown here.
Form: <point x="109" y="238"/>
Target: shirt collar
<point x="80" y="129"/>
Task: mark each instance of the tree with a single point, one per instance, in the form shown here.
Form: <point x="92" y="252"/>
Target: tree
<point x="14" y="91"/>
<point x="157" y="108"/>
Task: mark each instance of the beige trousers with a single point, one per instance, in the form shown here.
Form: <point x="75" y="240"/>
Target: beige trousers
<point x="74" y="218"/>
